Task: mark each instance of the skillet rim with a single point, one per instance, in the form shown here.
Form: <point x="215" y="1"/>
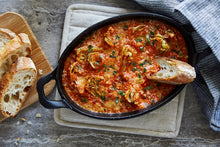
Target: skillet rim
<point x="116" y="116"/>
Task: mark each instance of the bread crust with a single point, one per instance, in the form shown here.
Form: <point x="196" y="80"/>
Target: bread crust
<point x="8" y="32"/>
<point x="185" y="72"/>
<point x="17" y="47"/>
<point x="22" y="64"/>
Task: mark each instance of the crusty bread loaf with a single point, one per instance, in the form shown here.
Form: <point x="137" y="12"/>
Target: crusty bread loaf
<point x="17" y="47"/>
<point x="173" y="71"/>
<point x="15" y="85"/>
<point x="5" y="36"/>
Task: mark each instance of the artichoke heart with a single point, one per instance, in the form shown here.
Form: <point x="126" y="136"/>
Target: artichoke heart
<point x="93" y="85"/>
<point x="95" y="59"/>
<point x="164" y="46"/>
<point x="138" y="28"/>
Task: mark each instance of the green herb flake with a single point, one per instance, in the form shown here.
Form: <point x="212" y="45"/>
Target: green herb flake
<point x="151" y="32"/>
<point x="114" y="72"/>
<point x="148" y="87"/>
<point x="112" y="66"/>
<point x="139" y="75"/>
<point x="153" y="42"/>
<point x="134" y="69"/>
<point x="157" y="27"/>
<point x="144" y="70"/>
<point x="102" y="97"/>
<point x="176" y="51"/>
<point x="121" y="93"/>
<point x="117" y="37"/>
<point x="134" y="63"/>
<point x="158" y="84"/>
<point x="117" y="98"/>
<point x="141" y="48"/>
<point x="139" y="40"/>
<point x="144" y="97"/>
<point x="113" y="56"/>
<point x="80" y="67"/>
<point x="83" y="100"/>
<point x="98" y="62"/>
<point x="144" y="89"/>
<point x="90" y="48"/>
<point x="181" y="53"/>
<point x="150" y="62"/>
<point x="100" y="57"/>
<point x="141" y="64"/>
<point x="112" y="88"/>
<point x="152" y="101"/>
<point x="125" y="27"/>
<point x="148" y="40"/>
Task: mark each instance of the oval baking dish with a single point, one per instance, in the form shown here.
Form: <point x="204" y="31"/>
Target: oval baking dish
<point x="67" y="102"/>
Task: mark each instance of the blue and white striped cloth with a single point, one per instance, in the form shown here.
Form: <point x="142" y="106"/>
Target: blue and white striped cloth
<point x="204" y="15"/>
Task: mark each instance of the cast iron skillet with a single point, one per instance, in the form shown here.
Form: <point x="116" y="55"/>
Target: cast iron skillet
<point x="67" y="102"/>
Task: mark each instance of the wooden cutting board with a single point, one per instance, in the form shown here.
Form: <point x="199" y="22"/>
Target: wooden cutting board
<point x="18" y="24"/>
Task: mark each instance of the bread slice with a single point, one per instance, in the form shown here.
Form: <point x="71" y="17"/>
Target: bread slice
<point x="15" y="85"/>
<point x="5" y="36"/>
<point x="173" y="72"/>
<point x="17" y="47"/>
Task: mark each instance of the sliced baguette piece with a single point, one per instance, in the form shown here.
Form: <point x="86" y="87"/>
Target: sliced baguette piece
<point x="173" y="72"/>
<point x="5" y="36"/>
<point x="15" y="85"/>
<point x="17" y="47"/>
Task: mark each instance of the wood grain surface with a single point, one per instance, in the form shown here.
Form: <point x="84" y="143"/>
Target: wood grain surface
<point x="18" y="24"/>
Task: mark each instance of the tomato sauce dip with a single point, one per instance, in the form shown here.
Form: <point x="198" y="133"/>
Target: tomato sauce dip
<point x="106" y="72"/>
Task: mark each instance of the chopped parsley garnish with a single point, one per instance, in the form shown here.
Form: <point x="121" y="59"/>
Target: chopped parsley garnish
<point x="83" y="100"/>
<point x="148" y="87"/>
<point x="141" y="48"/>
<point x="144" y="97"/>
<point x="144" y="89"/>
<point x="150" y="62"/>
<point x="141" y="64"/>
<point x="139" y="40"/>
<point x="80" y="67"/>
<point x="152" y="101"/>
<point x="153" y="42"/>
<point x="100" y="57"/>
<point x="152" y="33"/>
<point x="181" y="53"/>
<point x="176" y="51"/>
<point x="90" y="48"/>
<point x="121" y="93"/>
<point x="144" y="70"/>
<point x="117" y="98"/>
<point x="112" y="66"/>
<point x="157" y="27"/>
<point x="134" y="63"/>
<point x="134" y="69"/>
<point x="117" y="37"/>
<point x="125" y="27"/>
<point x="114" y="72"/>
<point x="139" y="75"/>
<point x="112" y="88"/>
<point x="148" y="40"/>
<point x="102" y="97"/>
<point x="113" y="54"/>
<point x="98" y="62"/>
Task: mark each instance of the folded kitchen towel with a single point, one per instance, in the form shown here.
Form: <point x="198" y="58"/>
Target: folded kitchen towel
<point x="204" y="16"/>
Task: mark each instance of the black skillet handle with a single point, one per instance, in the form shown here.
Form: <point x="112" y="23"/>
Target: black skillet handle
<point x="198" y="56"/>
<point x="50" y="104"/>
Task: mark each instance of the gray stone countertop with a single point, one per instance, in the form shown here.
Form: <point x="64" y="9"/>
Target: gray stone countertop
<point x="46" y="21"/>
